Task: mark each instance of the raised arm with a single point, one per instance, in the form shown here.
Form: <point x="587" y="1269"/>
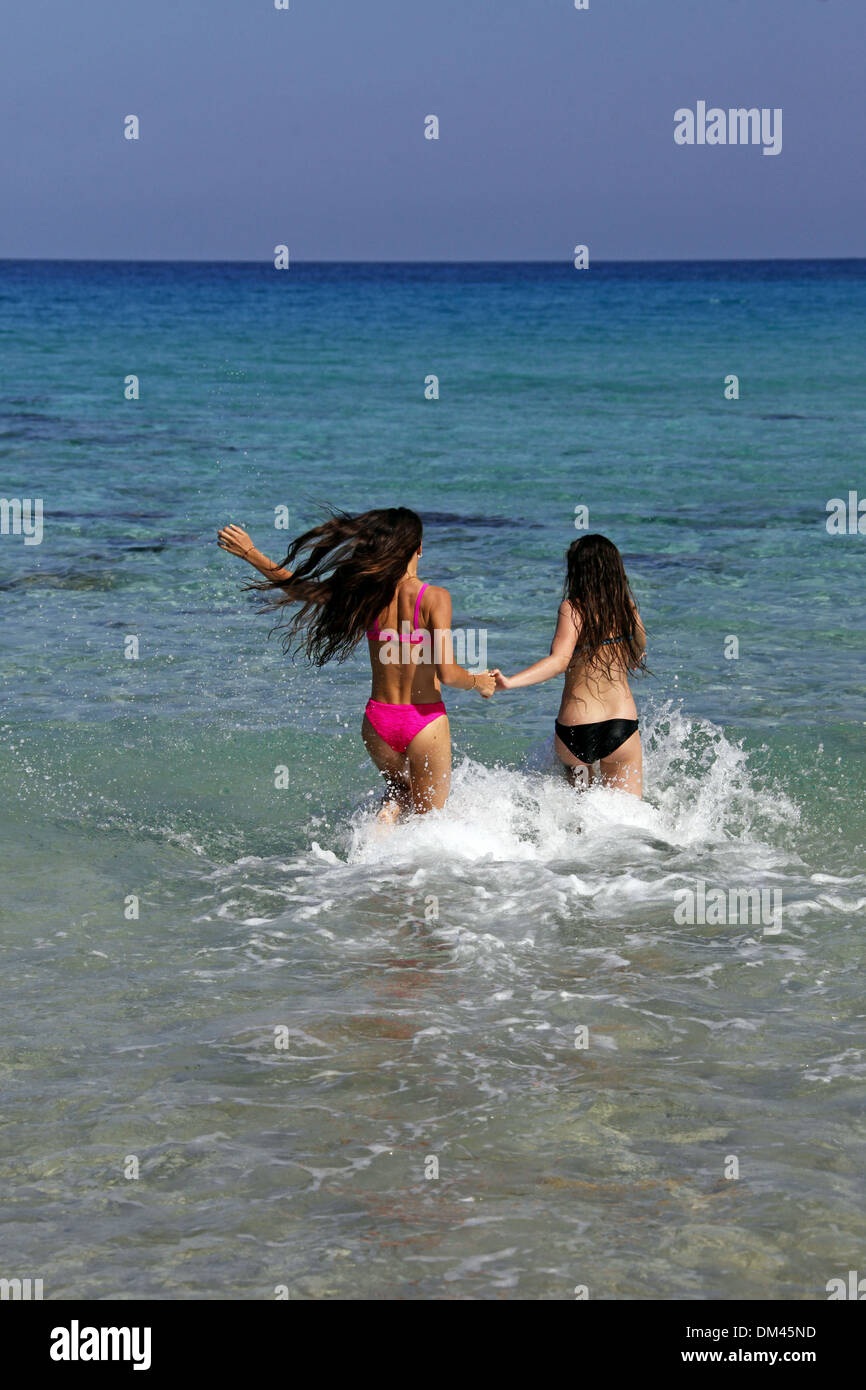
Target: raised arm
<point x="561" y="651"/>
<point x="447" y="670"/>
<point x="237" y="542"/>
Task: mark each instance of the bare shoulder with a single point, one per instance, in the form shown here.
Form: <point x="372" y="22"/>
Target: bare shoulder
<point x="435" y="606"/>
<point x="437" y="594"/>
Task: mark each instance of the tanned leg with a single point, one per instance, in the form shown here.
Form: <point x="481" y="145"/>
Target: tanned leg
<point x="579" y="774"/>
<point x="394" y="768"/>
<point x="430" y="765"/>
<point x="624" y="768"/>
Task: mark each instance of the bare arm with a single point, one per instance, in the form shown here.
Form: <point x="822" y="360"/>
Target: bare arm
<point x="237" y="542"/>
<point x="561" y="651"/>
<point x="447" y="670"/>
<point x="639" y="632"/>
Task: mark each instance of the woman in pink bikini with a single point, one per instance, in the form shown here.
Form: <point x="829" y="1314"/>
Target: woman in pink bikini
<point x="357" y="577"/>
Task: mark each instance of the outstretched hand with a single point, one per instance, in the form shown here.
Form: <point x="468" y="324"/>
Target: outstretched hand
<point x="235" y="541"/>
<point x="484" y="683"/>
<point x="502" y="682"/>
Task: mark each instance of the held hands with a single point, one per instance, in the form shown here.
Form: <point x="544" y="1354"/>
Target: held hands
<point x="502" y="682"/>
<point x="485" y="683"/>
<point x="235" y="541"/>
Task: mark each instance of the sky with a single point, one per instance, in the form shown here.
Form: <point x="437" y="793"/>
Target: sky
<point x="306" y="127"/>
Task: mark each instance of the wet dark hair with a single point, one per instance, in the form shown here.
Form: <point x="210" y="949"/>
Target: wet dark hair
<point x="344" y="574"/>
<point x="597" y="585"/>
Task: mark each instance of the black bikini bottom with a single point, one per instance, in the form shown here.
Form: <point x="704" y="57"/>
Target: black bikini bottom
<point x="592" y="742"/>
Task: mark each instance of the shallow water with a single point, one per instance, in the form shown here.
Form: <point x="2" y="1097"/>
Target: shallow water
<point x="307" y="1012"/>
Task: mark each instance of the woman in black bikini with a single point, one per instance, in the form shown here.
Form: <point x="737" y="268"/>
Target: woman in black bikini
<point x="599" y="638"/>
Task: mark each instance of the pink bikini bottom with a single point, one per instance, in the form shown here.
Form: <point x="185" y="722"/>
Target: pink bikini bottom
<point x="398" y="724"/>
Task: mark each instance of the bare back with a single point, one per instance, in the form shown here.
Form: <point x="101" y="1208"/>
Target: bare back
<point x="404" y="672"/>
<point x="592" y="692"/>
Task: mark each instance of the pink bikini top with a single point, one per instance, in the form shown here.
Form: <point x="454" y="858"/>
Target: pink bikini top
<point x="388" y="635"/>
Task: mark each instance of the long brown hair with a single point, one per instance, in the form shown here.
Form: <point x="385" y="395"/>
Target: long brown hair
<point x="348" y="572"/>
<point x="597" y="585"/>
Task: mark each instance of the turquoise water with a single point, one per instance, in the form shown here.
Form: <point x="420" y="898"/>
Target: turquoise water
<point x="432" y="981"/>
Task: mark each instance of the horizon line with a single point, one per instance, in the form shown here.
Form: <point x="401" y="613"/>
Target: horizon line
<point x="564" y="261"/>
